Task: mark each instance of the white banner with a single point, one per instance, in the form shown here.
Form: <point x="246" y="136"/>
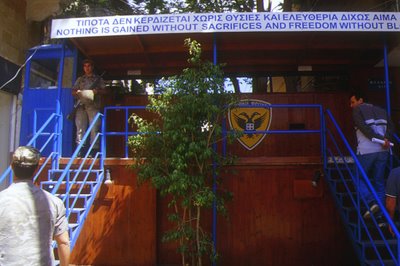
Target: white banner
<point x="226" y="22"/>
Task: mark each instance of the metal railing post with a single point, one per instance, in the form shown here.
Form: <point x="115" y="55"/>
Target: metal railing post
<point x="57" y="147"/>
<point x="387" y="85"/>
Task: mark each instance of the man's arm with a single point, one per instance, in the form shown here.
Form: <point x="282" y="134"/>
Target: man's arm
<point x="76" y="87"/>
<point x="359" y="122"/>
<point x="100" y="87"/>
<point x="63" y="248"/>
<point x="390" y="130"/>
<point x="390" y="207"/>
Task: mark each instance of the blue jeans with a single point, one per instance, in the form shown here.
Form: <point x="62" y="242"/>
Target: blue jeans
<point x="374" y="166"/>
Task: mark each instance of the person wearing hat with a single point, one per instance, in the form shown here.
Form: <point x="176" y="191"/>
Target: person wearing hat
<point x="86" y="90"/>
<point x="30" y="218"/>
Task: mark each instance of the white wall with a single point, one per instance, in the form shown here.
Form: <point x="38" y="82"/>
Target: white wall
<point x="6" y="117"/>
<point x="17" y="34"/>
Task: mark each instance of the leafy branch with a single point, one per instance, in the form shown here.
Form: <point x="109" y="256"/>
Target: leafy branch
<point x="176" y="150"/>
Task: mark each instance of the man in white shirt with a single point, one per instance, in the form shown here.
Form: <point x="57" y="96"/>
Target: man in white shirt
<point x="30" y="218"/>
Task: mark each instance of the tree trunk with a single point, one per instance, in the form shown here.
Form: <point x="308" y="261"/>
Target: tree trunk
<point x="199" y="261"/>
<point x="235" y="84"/>
<point x="260" y="5"/>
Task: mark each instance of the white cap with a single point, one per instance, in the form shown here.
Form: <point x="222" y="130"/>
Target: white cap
<point x="26" y="156"/>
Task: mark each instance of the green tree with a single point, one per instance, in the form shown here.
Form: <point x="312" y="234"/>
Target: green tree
<point x="88" y="8"/>
<point x="203" y="6"/>
<point x="124" y="7"/>
<point x="155" y="6"/>
<point x="198" y="6"/>
<point x="175" y="152"/>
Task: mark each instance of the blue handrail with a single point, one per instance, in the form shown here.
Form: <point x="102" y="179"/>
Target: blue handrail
<point x="126" y="132"/>
<point x="357" y="200"/>
<point x="69" y="183"/>
<point x="32" y="142"/>
<point x="77" y="150"/>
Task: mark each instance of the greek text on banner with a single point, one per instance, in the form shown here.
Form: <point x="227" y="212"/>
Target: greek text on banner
<point x="226" y="22"/>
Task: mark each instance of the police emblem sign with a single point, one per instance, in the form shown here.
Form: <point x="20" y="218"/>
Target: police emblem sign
<point x="251" y="115"/>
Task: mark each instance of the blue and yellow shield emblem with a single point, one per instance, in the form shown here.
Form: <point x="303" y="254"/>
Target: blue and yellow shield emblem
<point x="251" y="115"/>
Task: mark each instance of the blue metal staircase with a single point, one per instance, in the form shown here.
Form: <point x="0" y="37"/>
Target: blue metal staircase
<point x="371" y="238"/>
<point x="77" y="190"/>
<point x="77" y="183"/>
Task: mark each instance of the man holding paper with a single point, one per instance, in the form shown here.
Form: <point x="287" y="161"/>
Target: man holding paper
<point x="374" y="132"/>
<point x="86" y="91"/>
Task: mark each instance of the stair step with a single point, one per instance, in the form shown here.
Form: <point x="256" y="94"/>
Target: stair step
<point x="71" y="183"/>
<point x="76" y="175"/>
<point x="65" y="182"/>
<point x="74" y="195"/>
<point x="77" y="210"/>
<point x="72" y="225"/>
<point x="387" y="250"/>
<point x="390" y="242"/>
<point x="340" y="159"/>
<point x="55" y="174"/>
<point x="76" y="170"/>
<point x="79" y="201"/>
<point x="374" y="232"/>
<point x="378" y="263"/>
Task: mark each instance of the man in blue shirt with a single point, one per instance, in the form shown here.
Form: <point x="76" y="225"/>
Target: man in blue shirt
<point x="392" y="193"/>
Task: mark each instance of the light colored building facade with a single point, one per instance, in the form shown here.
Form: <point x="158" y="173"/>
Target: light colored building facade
<point x="20" y="29"/>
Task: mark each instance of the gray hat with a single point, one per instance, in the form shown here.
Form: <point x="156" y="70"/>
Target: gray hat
<point x="26" y="156"/>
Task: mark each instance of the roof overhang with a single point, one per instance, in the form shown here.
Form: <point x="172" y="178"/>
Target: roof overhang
<point x="243" y="53"/>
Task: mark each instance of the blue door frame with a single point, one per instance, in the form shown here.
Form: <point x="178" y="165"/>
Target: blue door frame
<point x="39" y="102"/>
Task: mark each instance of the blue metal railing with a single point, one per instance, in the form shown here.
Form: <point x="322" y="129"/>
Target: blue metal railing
<point x="51" y="137"/>
<point x="126" y="132"/>
<point x="334" y="153"/>
<point x="367" y="235"/>
<point x="71" y="199"/>
<point x="77" y="150"/>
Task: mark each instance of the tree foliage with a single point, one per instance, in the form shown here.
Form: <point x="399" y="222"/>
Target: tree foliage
<point x="176" y="152"/>
<point x="84" y="8"/>
<point x="87" y="8"/>
<point x="203" y="6"/>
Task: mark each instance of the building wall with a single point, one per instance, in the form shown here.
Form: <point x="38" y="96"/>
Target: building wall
<point x="17" y="35"/>
<point x="5" y="109"/>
